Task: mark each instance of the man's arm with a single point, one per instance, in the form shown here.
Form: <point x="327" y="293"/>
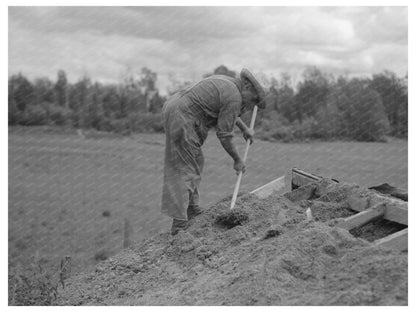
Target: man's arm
<point x="247" y="132"/>
<point x="241" y="125"/>
<point x="228" y="145"/>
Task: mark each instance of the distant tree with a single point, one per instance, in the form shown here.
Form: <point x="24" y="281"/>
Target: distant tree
<point x="43" y="91"/>
<point x="272" y="94"/>
<point x="176" y="84"/>
<point x="61" y="89"/>
<point x="110" y="100"/>
<point x="21" y="91"/>
<point x="137" y="91"/>
<point x="13" y="110"/>
<point x="130" y="94"/>
<point x="156" y="103"/>
<point x="356" y="111"/>
<point x="285" y="102"/>
<point x="312" y="92"/>
<point x="272" y="103"/>
<point x="402" y="115"/>
<point x="148" y="82"/>
<point x="332" y="119"/>
<point x="393" y="91"/>
<point x="79" y="101"/>
<point x="94" y="108"/>
<point x="148" y="79"/>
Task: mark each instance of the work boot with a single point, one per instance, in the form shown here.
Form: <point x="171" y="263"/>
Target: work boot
<point x="193" y="211"/>
<point x="178" y="225"/>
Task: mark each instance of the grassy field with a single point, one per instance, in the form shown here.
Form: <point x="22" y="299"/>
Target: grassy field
<point x="72" y="196"/>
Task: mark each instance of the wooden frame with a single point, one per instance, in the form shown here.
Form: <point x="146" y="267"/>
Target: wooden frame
<point x="398" y="240"/>
<point x="363" y="217"/>
<point x="278" y="185"/>
<point x="300" y="177"/>
<point x="369" y="208"/>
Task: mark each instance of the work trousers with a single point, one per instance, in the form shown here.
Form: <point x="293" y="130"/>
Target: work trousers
<point x="184" y="159"/>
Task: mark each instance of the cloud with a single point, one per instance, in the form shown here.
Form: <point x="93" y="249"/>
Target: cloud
<point x="168" y="23"/>
<point x="377" y="24"/>
<point x="191" y="41"/>
<point x="89" y="53"/>
<point x="311" y="28"/>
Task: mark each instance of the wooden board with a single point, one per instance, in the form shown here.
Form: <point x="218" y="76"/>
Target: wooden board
<point x="363" y="217"/>
<point x="300" y="177"/>
<point x="398" y="240"/>
<point x="396" y="209"/>
<point x="278" y="185"/>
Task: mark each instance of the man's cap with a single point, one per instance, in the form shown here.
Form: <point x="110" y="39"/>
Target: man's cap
<point x="259" y="85"/>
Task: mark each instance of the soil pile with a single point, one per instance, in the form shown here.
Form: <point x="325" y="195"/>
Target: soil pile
<point x="272" y="256"/>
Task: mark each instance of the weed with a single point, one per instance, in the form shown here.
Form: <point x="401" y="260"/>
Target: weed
<point x="34" y="286"/>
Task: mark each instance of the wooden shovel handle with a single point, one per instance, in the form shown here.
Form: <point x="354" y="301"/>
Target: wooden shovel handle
<point x="240" y="175"/>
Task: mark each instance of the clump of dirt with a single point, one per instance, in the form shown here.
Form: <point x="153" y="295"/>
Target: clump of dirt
<point x="274" y="231"/>
<point x="232" y="218"/>
<point x="335" y="192"/>
<point x="273" y="257"/>
<point x="325" y="211"/>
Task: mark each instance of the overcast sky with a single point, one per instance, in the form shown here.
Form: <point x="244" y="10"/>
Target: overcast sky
<point x="102" y="42"/>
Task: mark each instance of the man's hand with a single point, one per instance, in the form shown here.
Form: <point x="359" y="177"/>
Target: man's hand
<point x="248" y="134"/>
<point x="228" y="145"/>
<point x="239" y="166"/>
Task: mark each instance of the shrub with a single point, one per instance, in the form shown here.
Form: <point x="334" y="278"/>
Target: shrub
<point x="15" y="116"/>
<point x="120" y="125"/>
<point x="104" y="124"/>
<point x="307" y="129"/>
<point x="143" y="122"/>
<point x="59" y="115"/>
<point x="275" y="127"/>
<point x="34" y="115"/>
<point x="42" y="114"/>
<point x="32" y="287"/>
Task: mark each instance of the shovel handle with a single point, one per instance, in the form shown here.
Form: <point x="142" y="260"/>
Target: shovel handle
<point x="240" y="175"/>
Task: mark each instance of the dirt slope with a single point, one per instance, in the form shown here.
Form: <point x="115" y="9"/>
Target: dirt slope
<point x="275" y="257"/>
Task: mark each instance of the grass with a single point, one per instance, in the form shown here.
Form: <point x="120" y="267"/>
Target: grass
<point x="71" y="196"/>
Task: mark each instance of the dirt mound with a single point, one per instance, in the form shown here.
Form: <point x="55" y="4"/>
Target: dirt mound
<point x="272" y="256"/>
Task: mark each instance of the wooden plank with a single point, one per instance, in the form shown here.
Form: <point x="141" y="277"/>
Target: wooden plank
<point x="303" y="173"/>
<point x="397" y="214"/>
<point x="363" y="217"/>
<point x="396" y="209"/>
<point x="398" y="240"/>
<point x="278" y="185"/>
<point x="300" y="178"/>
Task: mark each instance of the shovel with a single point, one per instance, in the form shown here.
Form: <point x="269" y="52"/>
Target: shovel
<point x="237" y="185"/>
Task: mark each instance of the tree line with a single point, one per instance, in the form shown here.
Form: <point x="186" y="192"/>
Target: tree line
<point x="132" y="105"/>
<point x="320" y="106"/>
<point x="325" y="107"/>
